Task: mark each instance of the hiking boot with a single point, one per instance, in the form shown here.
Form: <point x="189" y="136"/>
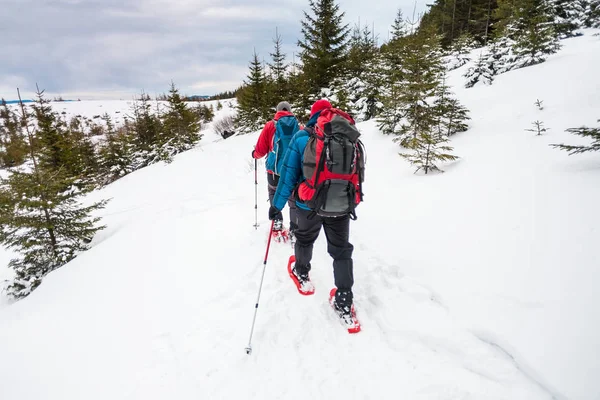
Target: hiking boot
<point x="305" y="286"/>
<point x="301" y="276"/>
<point x="342" y="304"/>
<point x="292" y="237"/>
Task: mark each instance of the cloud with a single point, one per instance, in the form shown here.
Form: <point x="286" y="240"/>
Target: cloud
<point x="95" y="47"/>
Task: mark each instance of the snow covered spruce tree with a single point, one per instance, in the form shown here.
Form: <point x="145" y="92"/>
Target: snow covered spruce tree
<point x="530" y="26"/>
<point x="391" y="70"/>
<point x="430" y="112"/>
<point x="42" y="219"/>
<point x="253" y="109"/>
<point x="357" y="89"/>
<point x="590" y="133"/>
<point x="144" y="128"/>
<point x="591" y="17"/>
<point x="116" y="153"/>
<point x="568" y="16"/>
<point x="480" y="71"/>
<point x="422" y="68"/>
<point x="451" y="116"/>
<point x="181" y="126"/>
<point x="460" y="51"/>
<point x="82" y="156"/>
<point x="323" y="49"/>
<point x="205" y="114"/>
<point x="13" y="150"/>
<point x="535" y="36"/>
<point x="63" y="145"/>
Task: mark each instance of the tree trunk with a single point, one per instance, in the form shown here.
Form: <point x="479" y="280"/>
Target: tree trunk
<point x="453" y="16"/>
<point x="487" y="24"/>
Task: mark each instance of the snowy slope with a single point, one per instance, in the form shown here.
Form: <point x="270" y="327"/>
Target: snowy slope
<point x="473" y="284"/>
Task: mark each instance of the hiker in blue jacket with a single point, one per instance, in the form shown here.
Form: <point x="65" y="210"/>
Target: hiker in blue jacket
<point x="273" y="145"/>
<point x="337" y="229"/>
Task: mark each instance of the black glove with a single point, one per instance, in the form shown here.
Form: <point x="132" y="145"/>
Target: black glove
<point x="253" y="153"/>
<point x="273" y="212"/>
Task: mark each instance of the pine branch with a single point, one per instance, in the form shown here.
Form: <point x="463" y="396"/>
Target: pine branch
<point x="593" y="133"/>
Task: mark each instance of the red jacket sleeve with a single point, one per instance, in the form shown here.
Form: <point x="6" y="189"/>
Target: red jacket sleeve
<point x="265" y="140"/>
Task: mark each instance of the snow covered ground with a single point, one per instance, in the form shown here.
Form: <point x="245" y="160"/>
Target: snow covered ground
<point x="478" y="283"/>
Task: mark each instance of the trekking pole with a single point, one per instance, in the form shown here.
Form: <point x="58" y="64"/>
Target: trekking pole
<point x="249" y="347"/>
<point x="255" y="193"/>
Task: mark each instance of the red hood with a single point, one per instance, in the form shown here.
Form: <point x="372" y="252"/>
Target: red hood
<point x="280" y="114"/>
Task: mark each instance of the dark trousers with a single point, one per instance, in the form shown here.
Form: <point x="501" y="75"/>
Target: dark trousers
<point x="272" y="181"/>
<point x="337" y="232"/>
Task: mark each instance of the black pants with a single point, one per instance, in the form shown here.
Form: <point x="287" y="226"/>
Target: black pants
<point x="337" y="232"/>
<point x="272" y="181"/>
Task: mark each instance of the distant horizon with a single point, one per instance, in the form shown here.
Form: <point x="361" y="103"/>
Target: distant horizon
<point x="52" y="97"/>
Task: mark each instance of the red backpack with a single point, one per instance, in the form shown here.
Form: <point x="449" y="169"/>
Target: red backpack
<point x="333" y="165"/>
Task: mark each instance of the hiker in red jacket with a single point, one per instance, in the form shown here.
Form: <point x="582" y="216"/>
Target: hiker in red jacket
<point x="273" y="143"/>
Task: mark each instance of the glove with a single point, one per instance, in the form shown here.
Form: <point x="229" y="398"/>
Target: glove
<point x="253" y="153"/>
<point x="273" y="212"/>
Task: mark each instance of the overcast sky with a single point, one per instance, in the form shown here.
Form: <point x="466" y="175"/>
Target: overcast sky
<point x="115" y="48"/>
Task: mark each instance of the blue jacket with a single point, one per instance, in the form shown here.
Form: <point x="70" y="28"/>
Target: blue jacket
<point x="291" y="173"/>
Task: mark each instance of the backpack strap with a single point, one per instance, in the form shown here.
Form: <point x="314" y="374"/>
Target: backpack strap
<point x="321" y="161"/>
<point x="361" y="177"/>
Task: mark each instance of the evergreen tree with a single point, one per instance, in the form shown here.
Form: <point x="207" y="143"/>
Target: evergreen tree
<point x="426" y="149"/>
<point x="591" y="18"/>
<point x="569" y="16"/>
<point x="82" y="162"/>
<point x="13" y="149"/>
<point x="535" y="36"/>
<point x="50" y="134"/>
<point x="205" y="113"/>
<point x="422" y="66"/>
<point x="145" y="130"/>
<point x="498" y="58"/>
<point x="62" y="145"/>
<point x="115" y="154"/>
<point x="391" y="81"/>
<point x="298" y="93"/>
<point x="324" y="44"/>
<point x="392" y="110"/>
<point x="279" y="68"/>
<point x="451" y="115"/>
<point x="181" y="125"/>
<point x="454" y="18"/>
<point x="460" y="51"/>
<point x="480" y="71"/>
<point x="505" y="14"/>
<point x="356" y="91"/>
<point x="362" y="50"/>
<point x="253" y="109"/>
<point x="399" y="28"/>
<point x="370" y="105"/>
<point x="42" y="219"/>
<point x="45" y="224"/>
<point x="421" y="108"/>
<point x="591" y="133"/>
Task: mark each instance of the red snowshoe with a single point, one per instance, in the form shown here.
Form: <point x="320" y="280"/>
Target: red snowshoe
<point x="305" y="288"/>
